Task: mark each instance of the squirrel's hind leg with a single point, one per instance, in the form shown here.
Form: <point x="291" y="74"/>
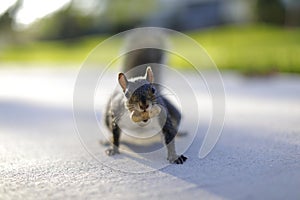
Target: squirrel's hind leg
<point x="169" y="133"/>
<point x="114" y="149"/>
<point x="172" y="156"/>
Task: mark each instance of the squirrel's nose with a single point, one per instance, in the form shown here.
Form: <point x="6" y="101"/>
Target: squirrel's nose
<point x="144" y="106"/>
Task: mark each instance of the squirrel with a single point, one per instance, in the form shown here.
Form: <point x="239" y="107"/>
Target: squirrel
<point x="139" y="100"/>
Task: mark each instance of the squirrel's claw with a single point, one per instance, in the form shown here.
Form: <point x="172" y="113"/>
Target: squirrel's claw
<point x="179" y="160"/>
<point x="112" y="151"/>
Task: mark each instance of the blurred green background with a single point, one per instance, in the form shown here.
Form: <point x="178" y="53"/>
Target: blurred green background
<point x="254" y="37"/>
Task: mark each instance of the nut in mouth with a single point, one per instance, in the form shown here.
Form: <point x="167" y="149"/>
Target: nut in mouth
<point x="137" y="116"/>
<point x="140" y="116"/>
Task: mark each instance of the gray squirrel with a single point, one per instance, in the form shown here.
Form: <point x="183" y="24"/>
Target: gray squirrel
<point x="140" y="101"/>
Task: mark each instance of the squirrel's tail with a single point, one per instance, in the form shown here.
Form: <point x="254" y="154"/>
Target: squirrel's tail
<point x="145" y="47"/>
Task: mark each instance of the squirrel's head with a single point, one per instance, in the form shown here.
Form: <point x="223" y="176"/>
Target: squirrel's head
<point x="140" y="92"/>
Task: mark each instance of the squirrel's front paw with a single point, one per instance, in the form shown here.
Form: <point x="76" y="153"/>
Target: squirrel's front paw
<point x="177" y="159"/>
<point x="112" y="151"/>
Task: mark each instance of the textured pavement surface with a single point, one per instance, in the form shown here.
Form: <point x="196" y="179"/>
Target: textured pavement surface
<point x="43" y="157"/>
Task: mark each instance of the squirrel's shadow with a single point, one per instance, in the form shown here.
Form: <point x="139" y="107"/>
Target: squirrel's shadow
<point x="155" y="144"/>
<point x="135" y="147"/>
<point x="150" y="152"/>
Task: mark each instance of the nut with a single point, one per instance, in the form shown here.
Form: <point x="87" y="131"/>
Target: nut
<point x="137" y="116"/>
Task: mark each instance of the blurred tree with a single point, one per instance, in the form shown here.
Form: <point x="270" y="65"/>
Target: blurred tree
<point x="103" y="16"/>
<point x="66" y="23"/>
<point x="270" y="11"/>
<point x="292" y="12"/>
<point x="7" y="32"/>
<point x="123" y="15"/>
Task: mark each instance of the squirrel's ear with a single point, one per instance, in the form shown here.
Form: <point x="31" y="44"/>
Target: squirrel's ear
<point x="122" y="81"/>
<point x="149" y="75"/>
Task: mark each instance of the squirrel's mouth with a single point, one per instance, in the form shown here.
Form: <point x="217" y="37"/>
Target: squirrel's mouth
<point x="144" y="122"/>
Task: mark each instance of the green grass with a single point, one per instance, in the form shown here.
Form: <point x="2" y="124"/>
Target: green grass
<point x="255" y="49"/>
<point x="51" y="51"/>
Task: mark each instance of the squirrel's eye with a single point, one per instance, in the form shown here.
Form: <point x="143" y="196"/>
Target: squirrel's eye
<point x="153" y="90"/>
